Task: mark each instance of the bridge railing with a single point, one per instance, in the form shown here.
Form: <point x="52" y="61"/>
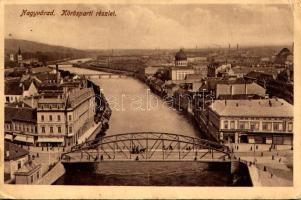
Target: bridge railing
<point x="150" y="136"/>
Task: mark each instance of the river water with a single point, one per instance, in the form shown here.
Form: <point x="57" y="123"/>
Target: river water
<point x="136" y="109"/>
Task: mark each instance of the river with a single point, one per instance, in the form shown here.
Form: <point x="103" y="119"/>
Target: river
<point x="135" y="109"/>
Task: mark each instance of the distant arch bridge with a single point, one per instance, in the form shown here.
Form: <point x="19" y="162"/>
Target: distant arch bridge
<point x="105" y="76"/>
<point x="146" y="146"/>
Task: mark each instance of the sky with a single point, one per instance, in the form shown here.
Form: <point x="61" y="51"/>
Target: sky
<point x="154" y="26"/>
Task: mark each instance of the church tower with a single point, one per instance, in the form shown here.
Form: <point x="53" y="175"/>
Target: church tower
<point x="11" y="57"/>
<point x="19" y="56"/>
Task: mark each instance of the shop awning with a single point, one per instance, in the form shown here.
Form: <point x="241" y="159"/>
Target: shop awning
<point x="22" y="138"/>
<point x="50" y="139"/>
<point x="8" y="137"/>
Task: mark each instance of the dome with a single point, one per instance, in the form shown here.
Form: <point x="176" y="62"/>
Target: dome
<point x="180" y="55"/>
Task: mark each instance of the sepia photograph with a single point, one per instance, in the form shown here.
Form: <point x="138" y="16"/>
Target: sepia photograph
<point x="156" y="94"/>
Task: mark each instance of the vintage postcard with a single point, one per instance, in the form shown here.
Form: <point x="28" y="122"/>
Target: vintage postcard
<point x="150" y="99"/>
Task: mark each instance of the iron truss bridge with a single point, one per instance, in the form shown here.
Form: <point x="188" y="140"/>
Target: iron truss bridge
<point x="147" y="146"/>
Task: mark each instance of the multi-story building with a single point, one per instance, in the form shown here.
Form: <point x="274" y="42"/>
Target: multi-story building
<point x="181" y="68"/>
<point x="266" y="121"/>
<point x="62" y="119"/>
<point x="20" y="124"/>
<point x="229" y="89"/>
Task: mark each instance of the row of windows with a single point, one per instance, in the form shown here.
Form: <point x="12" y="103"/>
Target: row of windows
<point x="54" y="106"/>
<point x="11" y="99"/>
<point x="58" y="118"/>
<point x="266" y="126"/>
<point x="256" y="118"/>
<point x="59" y="129"/>
<point x="21" y="127"/>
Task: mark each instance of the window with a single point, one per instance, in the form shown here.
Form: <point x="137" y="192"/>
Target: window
<point x="232" y="124"/>
<point x="254" y="125"/>
<point x="19" y="164"/>
<point x="59" y="129"/>
<point x="225" y="124"/>
<point x="38" y="174"/>
<point x="243" y="125"/>
<point x="266" y="126"/>
<point x="70" y="129"/>
<point x="42" y="118"/>
<point x="31" y="179"/>
<point x="43" y="129"/>
<point x="51" y="129"/>
<point x="50" y="118"/>
<point x="70" y="117"/>
<point x="290" y="126"/>
<point x="58" y="118"/>
<point x="7" y="99"/>
<point x="275" y="126"/>
<point x="27" y="129"/>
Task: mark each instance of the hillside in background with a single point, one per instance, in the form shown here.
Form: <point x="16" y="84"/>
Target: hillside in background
<point x="34" y="49"/>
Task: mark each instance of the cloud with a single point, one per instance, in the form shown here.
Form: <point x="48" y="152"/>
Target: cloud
<point x="156" y="26"/>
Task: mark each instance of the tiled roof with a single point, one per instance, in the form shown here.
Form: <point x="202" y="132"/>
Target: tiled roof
<point x="13" y="88"/>
<point x="15" y="151"/>
<point x="28" y="167"/>
<point x="45" y="77"/>
<point x="20" y="114"/>
<point x="193" y="76"/>
<point x="258" y="107"/>
<point x="258" y="75"/>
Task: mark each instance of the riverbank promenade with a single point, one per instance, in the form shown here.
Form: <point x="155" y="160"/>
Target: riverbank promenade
<point x="267" y="167"/>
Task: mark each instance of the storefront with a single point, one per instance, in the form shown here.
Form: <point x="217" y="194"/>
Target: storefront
<point x="50" y="141"/>
<point x="23" y="139"/>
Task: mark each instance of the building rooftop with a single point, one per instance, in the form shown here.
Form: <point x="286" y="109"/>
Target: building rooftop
<point x="193" y="76"/>
<point x="28" y="168"/>
<point x="180" y="55"/>
<point x="13" y="151"/>
<point x="254" y="107"/>
<point x="13" y="88"/>
<point x="20" y="114"/>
